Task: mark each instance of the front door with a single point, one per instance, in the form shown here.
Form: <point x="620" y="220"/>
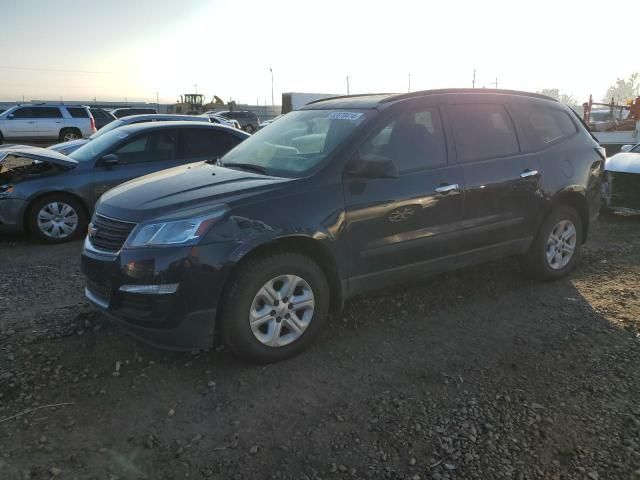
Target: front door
<point x="501" y="192"/>
<point x="394" y="225"/>
<point x="140" y="155"/>
<point x="22" y="124"/>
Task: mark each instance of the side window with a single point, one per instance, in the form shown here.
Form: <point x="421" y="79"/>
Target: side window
<point x="77" y="112"/>
<point x="25" y="112"/>
<point x="148" y="147"/>
<point x="205" y="142"/>
<point x="482" y="131"/>
<point x="543" y="126"/>
<point x="413" y="140"/>
<point x="47" y="112"/>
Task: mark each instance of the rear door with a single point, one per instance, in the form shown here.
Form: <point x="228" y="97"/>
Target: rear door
<point x="398" y="225"/>
<point x="501" y="191"/>
<point x="23" y="124"/>
<point x="50" y="121"/>
<point x="204" y="144"/>
<point x="144" y="153"/>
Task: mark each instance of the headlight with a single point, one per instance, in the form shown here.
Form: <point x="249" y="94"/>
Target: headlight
<point x="179" y="232"/>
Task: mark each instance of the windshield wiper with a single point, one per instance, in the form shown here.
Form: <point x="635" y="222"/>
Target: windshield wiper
<point x="246" y="166"/>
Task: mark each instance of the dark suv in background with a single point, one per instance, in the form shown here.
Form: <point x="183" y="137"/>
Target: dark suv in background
<point x="126" y="111"/>
<point x="101" y="117"/>
<point x="248" y="121"/>
<point x="344" y="196"/>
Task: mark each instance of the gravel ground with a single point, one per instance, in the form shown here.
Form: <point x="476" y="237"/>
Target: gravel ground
<point x="478" y="374"/>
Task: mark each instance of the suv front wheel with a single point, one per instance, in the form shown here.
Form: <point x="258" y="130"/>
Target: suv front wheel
<point x="275" y="307"/>
<point x="556" y="247"/>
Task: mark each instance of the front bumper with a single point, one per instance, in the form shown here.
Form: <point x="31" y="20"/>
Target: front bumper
<point x="11" y="214"/>
<point x="182" y="320"/>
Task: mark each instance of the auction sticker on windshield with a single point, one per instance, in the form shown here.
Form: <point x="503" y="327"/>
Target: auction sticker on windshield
<point x="345" y="116"/>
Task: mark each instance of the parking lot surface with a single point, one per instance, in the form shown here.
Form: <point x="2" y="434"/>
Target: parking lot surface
<point x="480" y="373"/>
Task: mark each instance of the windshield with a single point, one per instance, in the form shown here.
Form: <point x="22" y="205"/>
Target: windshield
<point x="98" y="146"/>
<point x="107" y="128"/>
<point x="299" y="142"/>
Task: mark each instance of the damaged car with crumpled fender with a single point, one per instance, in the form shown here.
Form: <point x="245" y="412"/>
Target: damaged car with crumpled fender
<point x="621" y="185"/>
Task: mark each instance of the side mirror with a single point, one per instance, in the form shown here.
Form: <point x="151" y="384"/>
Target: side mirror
<point x="110" y="159"/>
<point x="626" y="148"/>
<point x="379" y="167"/>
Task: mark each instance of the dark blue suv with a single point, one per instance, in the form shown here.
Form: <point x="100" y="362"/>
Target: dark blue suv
<point x="346" y="195"/>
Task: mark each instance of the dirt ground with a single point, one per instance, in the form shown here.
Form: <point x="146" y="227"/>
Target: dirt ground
<point x="478" y="374"/>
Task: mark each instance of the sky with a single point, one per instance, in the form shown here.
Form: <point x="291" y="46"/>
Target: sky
<point x="131" y="49"/>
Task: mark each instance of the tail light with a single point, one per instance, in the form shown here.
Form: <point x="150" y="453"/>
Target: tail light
<point x="93" y="123"/>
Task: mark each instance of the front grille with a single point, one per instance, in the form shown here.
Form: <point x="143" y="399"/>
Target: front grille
<point x="109" y="234"/>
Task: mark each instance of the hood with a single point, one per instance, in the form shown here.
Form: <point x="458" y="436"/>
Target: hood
<point x="181" y="188"/>
<point x="68" y="147"/>
<point x="39" y="154"/>
<point x="627" y="162"/>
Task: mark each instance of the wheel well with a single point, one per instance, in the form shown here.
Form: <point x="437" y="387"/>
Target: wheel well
<point x="75" y="129"/>
<point x="25" y="222"/>
<point x="577" y="201"/>
<point x="310" y="248"/>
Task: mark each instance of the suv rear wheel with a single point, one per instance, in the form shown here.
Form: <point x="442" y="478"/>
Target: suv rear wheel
<point x="56" y="218"/>
<point x="275" y="307"/>
<point x="556" y="247"/>
<point x="68" y="134"/>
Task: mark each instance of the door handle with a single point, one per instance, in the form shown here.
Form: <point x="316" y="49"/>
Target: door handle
<point x="529" y="173"/>
<point x="446" y="188"/>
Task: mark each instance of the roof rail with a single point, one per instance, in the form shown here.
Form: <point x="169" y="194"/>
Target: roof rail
<point x="485" y="91"/>
<point x="355" y="95"/>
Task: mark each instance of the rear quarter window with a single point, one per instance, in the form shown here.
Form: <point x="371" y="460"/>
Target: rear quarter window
<point x="542" y="126"/>
<point x="78" y="112"/>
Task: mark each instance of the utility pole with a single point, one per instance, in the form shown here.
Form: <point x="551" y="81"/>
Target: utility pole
<point x="348" y="77"/>
<point x="409" y="88"/>
<point x="195" y="86"/>
<point x="496" y="83"/>
<point x="157" y="102"/>
<point x="272" y="99"/>
<point x="473" y="82"/>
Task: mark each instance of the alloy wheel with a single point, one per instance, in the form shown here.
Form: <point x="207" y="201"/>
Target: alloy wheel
<point x="561" y="244"/>
<point x="68" y="136"/>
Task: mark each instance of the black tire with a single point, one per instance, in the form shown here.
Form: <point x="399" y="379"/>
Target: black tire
<point x="61" y="198"/>
<point x="1" y="139"/>
<point x="249" y="128"/>
<point x="66" y="132"/>
<point x="250" y="278"/>
<point x="535" y="260"/>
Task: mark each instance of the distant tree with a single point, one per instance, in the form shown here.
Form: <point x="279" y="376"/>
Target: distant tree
<point x="624" y="90"/>
<point x="561" y="97"/>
